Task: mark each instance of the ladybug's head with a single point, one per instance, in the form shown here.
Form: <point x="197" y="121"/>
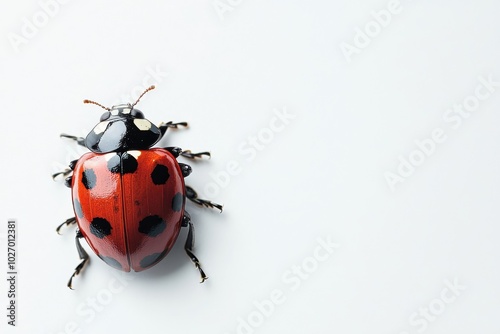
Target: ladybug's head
<point x="122" y="128"/>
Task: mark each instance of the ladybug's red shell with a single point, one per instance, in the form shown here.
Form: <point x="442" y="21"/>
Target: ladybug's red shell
<point x="129" y="206"/>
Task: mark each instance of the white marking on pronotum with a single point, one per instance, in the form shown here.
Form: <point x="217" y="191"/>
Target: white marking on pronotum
<point x="108" y="156"/>
<point x="126" y="111"/>
<point x="114" y="112"/>
<point x="99" y="128"/>
<point x="135" y="154"/>
<point x="142" y="124"/>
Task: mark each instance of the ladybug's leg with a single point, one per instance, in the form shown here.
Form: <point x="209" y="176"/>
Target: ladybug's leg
<point x="176" y="151"/>
<point x="83" y="256"/>
<point x="185" y="169"/>
<point x="190" y="155"/>
<point x="193" y="196"/>
<point x="66" y="172"/>
<point x="67" y="222"/>
<point x="79" y="140"/>
<point x="164" y="126"/>
<point x="188" y="246"/>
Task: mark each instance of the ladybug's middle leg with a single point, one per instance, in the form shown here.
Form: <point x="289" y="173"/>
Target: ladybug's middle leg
<point x="191" y="155"/>
<point x="83" y="256"/>
<point x="188" y="246"/>
<point x="177" y="151"/>
<point x="65" y="173"/>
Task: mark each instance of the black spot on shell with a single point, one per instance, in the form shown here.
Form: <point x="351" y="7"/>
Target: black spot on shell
<point x="152" y="225"/>
<point x="100" y="227"/>
<point x="160" y="174"/>
<point x="150" y="260"/>
<point x="114" y="164"/>
<point x="89" y="178"/>
<point x="78" y="208"/>
<point x="177" y="202"/>
<point x="129" y="163"/>
<point x="112" y="262"/>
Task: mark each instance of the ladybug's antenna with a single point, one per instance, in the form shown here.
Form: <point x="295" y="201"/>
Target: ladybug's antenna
<point x="147" y="90"/>
<point x="92" y="102"/>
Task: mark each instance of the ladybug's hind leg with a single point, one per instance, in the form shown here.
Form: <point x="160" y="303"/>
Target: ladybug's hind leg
<point x="193" y="196"/>
<point x="188" y="246"/>
<point x="83" y="256"/>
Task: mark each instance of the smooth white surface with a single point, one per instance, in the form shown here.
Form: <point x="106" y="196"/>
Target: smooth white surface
<point x="320" y="175"/>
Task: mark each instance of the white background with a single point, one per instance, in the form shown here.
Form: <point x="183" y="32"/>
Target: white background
<point x="322" y="175"/>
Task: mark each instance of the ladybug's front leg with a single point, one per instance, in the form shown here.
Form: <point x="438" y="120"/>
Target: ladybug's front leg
<point x="79" y="140"/>
<point x="188" y="246"/>
<point x="164" y="126"/>
<point x="83" y="256"/>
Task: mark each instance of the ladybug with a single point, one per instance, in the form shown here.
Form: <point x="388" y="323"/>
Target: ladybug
<point x="128" y="196"/>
